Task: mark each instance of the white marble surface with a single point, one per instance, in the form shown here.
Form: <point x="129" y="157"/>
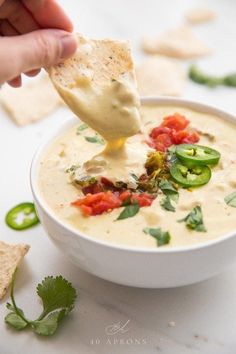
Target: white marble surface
<point x="194" y="319"/>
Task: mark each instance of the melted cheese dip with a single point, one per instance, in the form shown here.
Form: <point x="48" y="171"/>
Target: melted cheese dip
<point x="73" y="149"/>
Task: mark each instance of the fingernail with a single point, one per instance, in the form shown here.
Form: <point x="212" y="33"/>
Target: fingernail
<point x="69" y="45"/>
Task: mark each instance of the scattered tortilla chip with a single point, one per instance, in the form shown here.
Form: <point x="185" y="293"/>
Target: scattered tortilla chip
<point x="200" y="15"/>
<point x="31" y="102"/>
<point x="179" y="43"/>
<point x="160" y="76"/>
<point x="10" y="258"/>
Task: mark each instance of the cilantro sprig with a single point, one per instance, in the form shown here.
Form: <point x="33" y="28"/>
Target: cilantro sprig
<point x="58" y="297"/>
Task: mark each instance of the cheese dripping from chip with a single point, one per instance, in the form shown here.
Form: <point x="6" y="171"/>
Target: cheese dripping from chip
<point x="98" y="84"/>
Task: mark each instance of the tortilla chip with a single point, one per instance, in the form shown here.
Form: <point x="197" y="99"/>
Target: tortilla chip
<point x="200" y="15"/>
<point x="10" y="258"/>
<point x="31" y="102"/>
<point x="160" y="76"/>
<point x="97" y="76"/>
<point x="95" y="61"/>
<point x="178" y="43"/>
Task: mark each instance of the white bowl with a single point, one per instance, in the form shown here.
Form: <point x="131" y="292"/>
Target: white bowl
<point x="140" y="267"/>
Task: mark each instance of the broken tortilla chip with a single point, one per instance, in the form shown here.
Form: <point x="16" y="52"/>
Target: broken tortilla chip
<point x="180" y="43"/>
<point x="160" y="76"/>
<point x="31" y="102"/>
<point x="200" y="15"/>
<point x="10" y="258"/>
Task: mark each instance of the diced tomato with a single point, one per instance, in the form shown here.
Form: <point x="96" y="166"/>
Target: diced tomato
<point x="99" y="203"/>
<point x="96" y="204"/>
<point x="178" y="137"/>
<point x="86" y="210"/>
<point x="192" y="138"/>
<point x="164" y="139"/>
<point x="184" y="137"/>
<point x="176" y="122"/>
<point x="161" y="138"/>
<point x="102" y="207"/>
<point x="143" y="199"/>
<point x="160" y="147"/>
<point x="151" y="144"/>
<point x="171" y="132"/>
<point x="125" y="195"/>
<point x="159" y="130"/>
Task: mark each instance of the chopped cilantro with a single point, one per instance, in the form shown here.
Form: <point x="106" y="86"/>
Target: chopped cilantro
<point x="81" y="127"/>
<point x="194" y="220"/>
<point x="95" y="139"/>
<point x="171" y="194"/>
<point x="129" y="211"/>
<point x="162" y="237"/>
<point x="230" y="199"/>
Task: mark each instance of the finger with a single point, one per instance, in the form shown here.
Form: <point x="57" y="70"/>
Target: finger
<point x="6" y="29"/>
<point x="49" y="14"/>
<point x="33" y="72"/>
<point x="16" y="82"/>
<point x="42" y="48"/>
<point x="18" y="16"/>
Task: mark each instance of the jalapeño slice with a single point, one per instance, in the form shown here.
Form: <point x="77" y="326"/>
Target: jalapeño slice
<point x="190" y="176"/>
<point x="192" y="154"/>
<point x="22" y="216"/>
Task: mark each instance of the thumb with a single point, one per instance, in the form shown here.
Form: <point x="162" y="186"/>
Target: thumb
<point x="34" y="50"/>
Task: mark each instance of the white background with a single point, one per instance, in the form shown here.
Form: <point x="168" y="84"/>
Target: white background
<point x="204" y="314"/>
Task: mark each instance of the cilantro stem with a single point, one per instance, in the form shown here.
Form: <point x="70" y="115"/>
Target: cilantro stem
<point x="13" y="300"/>
<point x="43" y="314"/>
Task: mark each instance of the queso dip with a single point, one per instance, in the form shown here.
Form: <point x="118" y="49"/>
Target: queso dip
<point x="69" y="157"/>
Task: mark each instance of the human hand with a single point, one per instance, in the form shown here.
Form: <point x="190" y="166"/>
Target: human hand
<point x="33" y="34"/>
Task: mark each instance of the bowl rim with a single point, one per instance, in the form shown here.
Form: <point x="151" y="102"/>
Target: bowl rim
<point x="150" y="100"/>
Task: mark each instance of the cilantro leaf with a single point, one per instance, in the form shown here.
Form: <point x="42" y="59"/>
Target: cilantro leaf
<point x="72" y="169"/>
<point x="135" y="177"/>
<point x="58" y="297"/>
<point x="56" y="293"/>
<point x="171" y="193"/>
<point x="166" y="204"/>
<point x="171" y="151"/>
<point x="194" y="220"/>
<point x="48" y="325"/>
<point x="129" y="211"/>
<point x="95" y="139"/>
<point x="81" y="127"/>
<point x="162" y="237"/>
<point x="169" y="190"/>
<point x="15" y="321"/>
<point x="126" y="201"/>
<point x="231" y="199"/>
